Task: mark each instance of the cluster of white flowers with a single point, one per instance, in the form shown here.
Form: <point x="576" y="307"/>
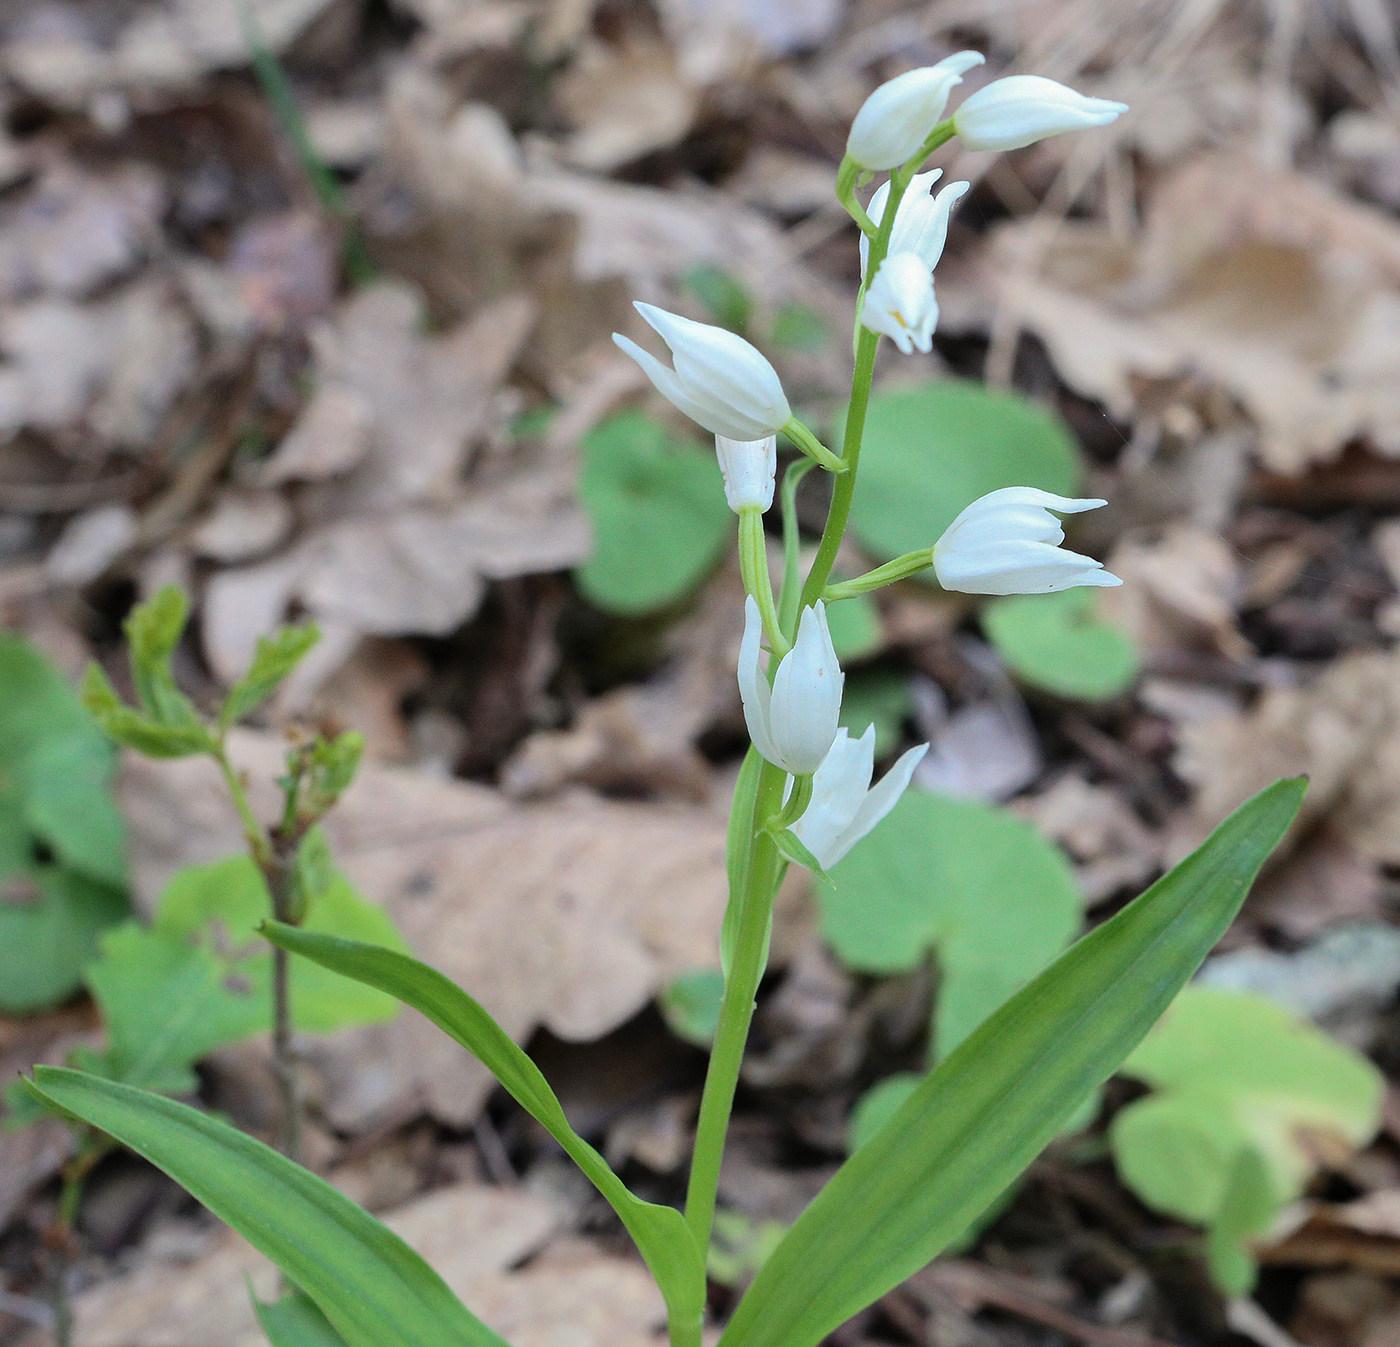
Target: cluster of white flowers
<point x="1006" y="542"/>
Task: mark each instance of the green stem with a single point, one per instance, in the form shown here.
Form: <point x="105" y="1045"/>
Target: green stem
<point x="797" y="802"/>
<point x="789" y="604"/>
<point x="759" y="885"/>
<point x="252" y="829"/>
<point x="847" y="177"/>
<point x="753" y="566"/>
<point x="867" y="343"/>
<point x="803" y="438"/>
<point x="901" y="568"/>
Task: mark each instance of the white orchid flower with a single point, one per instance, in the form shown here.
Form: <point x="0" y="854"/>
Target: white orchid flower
<point x="793" y="722"/>
<point x="1007" y="542"/>
<point x="920" y="223"/>
<point x="843" y="807"/>
<point x="1021" y="109"/>
<point x="720" y="381"/>
<point x="896" y="119"/>
<point x="900" y="302"/>
<point x="749" y="469"/>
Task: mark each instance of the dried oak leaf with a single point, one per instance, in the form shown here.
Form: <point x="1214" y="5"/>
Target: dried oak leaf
<point x="60" y="54"/>
<point x="571" y="1295"/>
<point x="1266" y="284"/>
<point x="1342" y="730"/>
<point x="570" y="914"/>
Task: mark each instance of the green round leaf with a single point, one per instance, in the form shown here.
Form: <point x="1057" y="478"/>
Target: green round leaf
<point x="1235" y="1073"/>
<point x="983" y="889"/>
<point x="50" y="920"/>
<point x="690" y="1005"/>
<point x="1057" y="642"/>
<point x="658" y="511"/>
<point x="930" y="451"/>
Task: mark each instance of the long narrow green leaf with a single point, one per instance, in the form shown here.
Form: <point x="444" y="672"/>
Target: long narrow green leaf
<point x="998" y="1099"/>
<point x="661" y="1233"/>
<point x="374" y="1290"/>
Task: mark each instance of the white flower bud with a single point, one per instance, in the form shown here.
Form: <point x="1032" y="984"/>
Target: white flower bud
<point x="896" y="119"/>
<point x="843" y="808"/>
<point x="920" y="223"/>
<point x="1007" y="542"/>
<point x="900" y="302"/>
<point x="793" y="722"/>
<point x="1021" y="109"/>
<point x="749" y="468"/>
<point x="719" y="380"/>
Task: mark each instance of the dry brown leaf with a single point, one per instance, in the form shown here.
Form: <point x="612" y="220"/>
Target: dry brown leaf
<point x="574" y="1295"/>
<point x="1281" y="293"/>
<point x="55" y="355"/>
<point x="90" y="542"/>
<point x="569" y="914"/>
<point x="718" y="38"/>
<point x="643" y="737"/>
<point x="1178" y="590"/>
<point x="423" y="569"/>
<point x="424" y="398"/>
<point x="242" y="525"/>
<point x="63" y="56"/>
<point x="75" y="231"/>
<point x="624" y="102"/>
<point x="1342" y="731"/>
<point x="1111" y="847"/>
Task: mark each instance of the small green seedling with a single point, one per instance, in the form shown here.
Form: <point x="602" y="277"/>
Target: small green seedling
<point x="1248" y="1103"/>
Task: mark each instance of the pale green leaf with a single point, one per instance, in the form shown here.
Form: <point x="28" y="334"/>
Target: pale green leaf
<point x="658" y="512"/>
<point x="1059" y="643"/>
<point x="661" y="1233"/>
<point x="690" y="1005"/>
<point x="276" y="656"/>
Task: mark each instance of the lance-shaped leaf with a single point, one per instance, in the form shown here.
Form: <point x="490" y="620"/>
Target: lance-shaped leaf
<point x="373" y="1289"/>
<point x="660" y="1232"/>
<point x="276" y="656"/>
<point x="972" y="1126"/>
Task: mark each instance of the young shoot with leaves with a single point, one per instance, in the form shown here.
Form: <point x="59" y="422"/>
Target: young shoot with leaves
<point x="803" y="796"/>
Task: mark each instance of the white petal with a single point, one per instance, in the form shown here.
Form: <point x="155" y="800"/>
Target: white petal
<point x="900" y="302"/>
<point x="1022" y="109"/>
<point x="806" y="700"/>
<point x="896" y="119"/>
<point x="920" y="185"/>
<point x="730" y="377"/>
<point x="877" y="803"/>
<point x="749" y="469"/>
<point x="754" y="691"/>
<point x="838" y="790"/>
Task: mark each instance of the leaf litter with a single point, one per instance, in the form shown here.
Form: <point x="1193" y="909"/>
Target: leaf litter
<point x="197" y="380"/>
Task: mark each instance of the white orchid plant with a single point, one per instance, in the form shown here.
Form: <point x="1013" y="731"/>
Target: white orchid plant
<point x="803" y="797"/>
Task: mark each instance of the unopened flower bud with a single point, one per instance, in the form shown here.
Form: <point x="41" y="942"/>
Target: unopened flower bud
<point x="793" y="722"/>
<point x="720" y="381"/>
<point x="749" y="468"/>
<point x="896" y="119"/>
<point x="1007" y="542"/>
<point x="1021" y="109"/>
